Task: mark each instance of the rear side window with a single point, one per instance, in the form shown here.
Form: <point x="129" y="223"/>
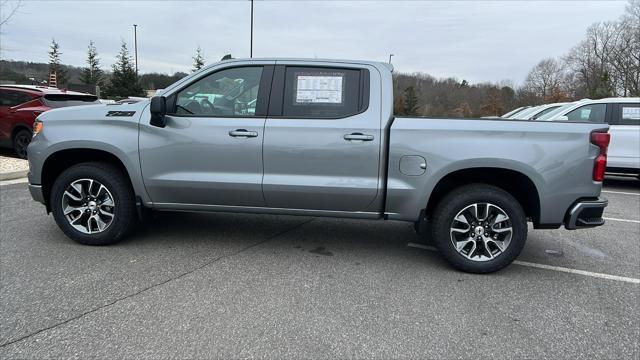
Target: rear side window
<point x="64" y="100"/>
<point x="323" y="93"/>
<point x="593" y="113"/>
<point x="629" y="114"/>
<point x="13" y="98"/>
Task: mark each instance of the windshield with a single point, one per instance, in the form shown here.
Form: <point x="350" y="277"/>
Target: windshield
<point x="545" y="111"/>
<point x="64" y="100"/>
<point x="524" y="115"/>
<point x="513" y="112"/>
<point x="551" y="114"/>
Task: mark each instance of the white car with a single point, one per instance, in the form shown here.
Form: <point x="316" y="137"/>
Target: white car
<point x="623" y="116"/>
<point x="537" y="111"/>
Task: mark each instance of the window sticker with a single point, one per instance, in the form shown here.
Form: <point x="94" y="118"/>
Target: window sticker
<point x="631" y="113"/>
<point x="314" y="89"/>
<point x="584" y="113"/>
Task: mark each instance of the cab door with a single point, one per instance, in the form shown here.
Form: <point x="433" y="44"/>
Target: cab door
<point x="322" y="139"/>
<point x="210" y="152"/>
<point x="624" y="149"/>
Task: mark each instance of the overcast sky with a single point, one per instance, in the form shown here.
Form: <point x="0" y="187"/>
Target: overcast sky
<point x="473" y="40"/>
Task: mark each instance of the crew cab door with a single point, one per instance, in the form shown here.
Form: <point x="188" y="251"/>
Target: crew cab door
<point x="624" y="149"/>
<point x="322" y="139"/>
<point x="210" y="151"/>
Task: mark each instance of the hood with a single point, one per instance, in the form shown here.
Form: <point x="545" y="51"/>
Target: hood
<point x="96" y="112"/>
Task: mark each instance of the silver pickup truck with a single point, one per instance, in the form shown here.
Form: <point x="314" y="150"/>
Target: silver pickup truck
<point x="316" y="138"/>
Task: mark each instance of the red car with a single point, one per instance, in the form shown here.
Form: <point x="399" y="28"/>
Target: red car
<point x="21" y="104"/>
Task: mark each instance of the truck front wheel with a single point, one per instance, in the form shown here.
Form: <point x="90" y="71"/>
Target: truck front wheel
<point x="479" y="228"/>
<point x="93" y="203"/>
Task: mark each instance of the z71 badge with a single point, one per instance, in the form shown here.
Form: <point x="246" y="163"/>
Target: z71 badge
<point x="120" y="113"/>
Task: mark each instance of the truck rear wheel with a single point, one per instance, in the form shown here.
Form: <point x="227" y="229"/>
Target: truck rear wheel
<point x="93" y="203"/>
<point x="479" y="228"/>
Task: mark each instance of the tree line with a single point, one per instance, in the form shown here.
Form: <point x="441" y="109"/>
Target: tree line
<point x="123" y="80"/>
<point x="605" y="64"/>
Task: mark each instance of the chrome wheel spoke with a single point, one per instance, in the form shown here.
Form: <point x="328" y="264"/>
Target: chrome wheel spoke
<point x="481" y="231"/>
<point x="88" y="206"/>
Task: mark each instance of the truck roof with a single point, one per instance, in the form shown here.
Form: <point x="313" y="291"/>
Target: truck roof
<point x="284" y="59"/>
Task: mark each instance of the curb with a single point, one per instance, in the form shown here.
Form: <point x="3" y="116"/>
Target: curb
<point x="13" y="175"/>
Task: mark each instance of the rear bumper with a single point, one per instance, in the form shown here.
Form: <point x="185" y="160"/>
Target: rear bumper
<point x="585" y="214"/>
<point x="36" y="193"/>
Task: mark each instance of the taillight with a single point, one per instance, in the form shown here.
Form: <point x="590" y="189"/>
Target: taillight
<point x="601" y="140"/>
<point x="37" y="127"/>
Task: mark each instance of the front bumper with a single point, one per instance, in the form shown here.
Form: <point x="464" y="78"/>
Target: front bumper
<point x="36" y="193"/>
<point x="585" y="214"/>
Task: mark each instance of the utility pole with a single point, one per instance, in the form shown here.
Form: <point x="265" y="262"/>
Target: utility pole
<point x="135" y="45"/>
<point x="390" y="55"/>
<point x="251" y="41"/>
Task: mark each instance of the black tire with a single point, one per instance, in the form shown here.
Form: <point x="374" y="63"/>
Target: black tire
<point x="457" y="200"/>
<point x="20" y="142"/>
<point x="124" y="211"/>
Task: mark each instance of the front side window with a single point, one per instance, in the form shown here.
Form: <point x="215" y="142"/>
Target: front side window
<point x="593" y="113"/>
<point x="226" y="93"/>
<point x="322" y="92"/>
<point x="630" y="114"/>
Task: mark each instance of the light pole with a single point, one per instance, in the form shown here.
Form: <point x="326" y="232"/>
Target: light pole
<point x="390" y="55"/>
<point x="135" y="45"/>
<point x="251" y="41"/>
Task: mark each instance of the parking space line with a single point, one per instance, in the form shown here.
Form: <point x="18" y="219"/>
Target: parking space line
<point x="579" y="272"/>
<point x="620" y="192"/>
<point x="551" y="267"/>
<point x="623" y="220"/>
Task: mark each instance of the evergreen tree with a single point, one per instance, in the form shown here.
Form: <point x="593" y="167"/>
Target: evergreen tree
<point x="410" y="101"/>
<point x="198" y="60"/>
<point x="124" y="81"/>
<point x="603" y="88"/>
<point x="54" y="63"/>
<point x="92" y="74"/>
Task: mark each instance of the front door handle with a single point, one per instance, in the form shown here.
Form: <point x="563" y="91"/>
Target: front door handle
<point x="358" y="136"/>
<point x="243" y="133"/>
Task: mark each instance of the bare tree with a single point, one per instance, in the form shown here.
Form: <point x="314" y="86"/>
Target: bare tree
<point x="545" y="78"/>
<point x="8" y="9"/>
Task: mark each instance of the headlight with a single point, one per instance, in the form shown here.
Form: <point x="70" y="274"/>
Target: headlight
<point x="37" y="127"/>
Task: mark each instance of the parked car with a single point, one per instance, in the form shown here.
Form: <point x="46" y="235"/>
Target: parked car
<point x="514" y="111"/>
<point x="534" y="112"/>
<point x="21" y="104"/>
<point x="316" y="138"/>
<point x="623" y="116"/>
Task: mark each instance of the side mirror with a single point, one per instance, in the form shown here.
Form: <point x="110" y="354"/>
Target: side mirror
<point x="562" y="118"/>
<point x="158" y="109"/>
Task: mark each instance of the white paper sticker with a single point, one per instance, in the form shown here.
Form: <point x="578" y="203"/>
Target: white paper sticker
<point x="319" y="89"/>
<point x="631" y="113"/>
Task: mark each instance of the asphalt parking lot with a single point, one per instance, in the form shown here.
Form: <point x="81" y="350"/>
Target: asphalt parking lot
<point x="231" y="285"/>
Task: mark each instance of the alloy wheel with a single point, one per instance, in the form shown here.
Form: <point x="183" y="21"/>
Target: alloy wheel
<point x="88" y="206"/>
<point x="481" y="232"/>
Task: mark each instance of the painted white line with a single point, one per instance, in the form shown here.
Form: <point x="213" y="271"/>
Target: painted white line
<point x="623" y="220"/>
<point x="620" y="192"/>
<point x="579" y="272"/>
<point x="550" y="267"/>
<point x="15" y="181"/>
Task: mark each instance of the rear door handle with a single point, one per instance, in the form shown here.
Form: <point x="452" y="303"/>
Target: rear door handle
<point x="358" y="136"/>
<point x="243" y="133"/>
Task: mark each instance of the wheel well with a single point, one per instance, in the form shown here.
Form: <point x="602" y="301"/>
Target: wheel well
<point x="513" y="182"/>
<point x="59" y="161"/>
